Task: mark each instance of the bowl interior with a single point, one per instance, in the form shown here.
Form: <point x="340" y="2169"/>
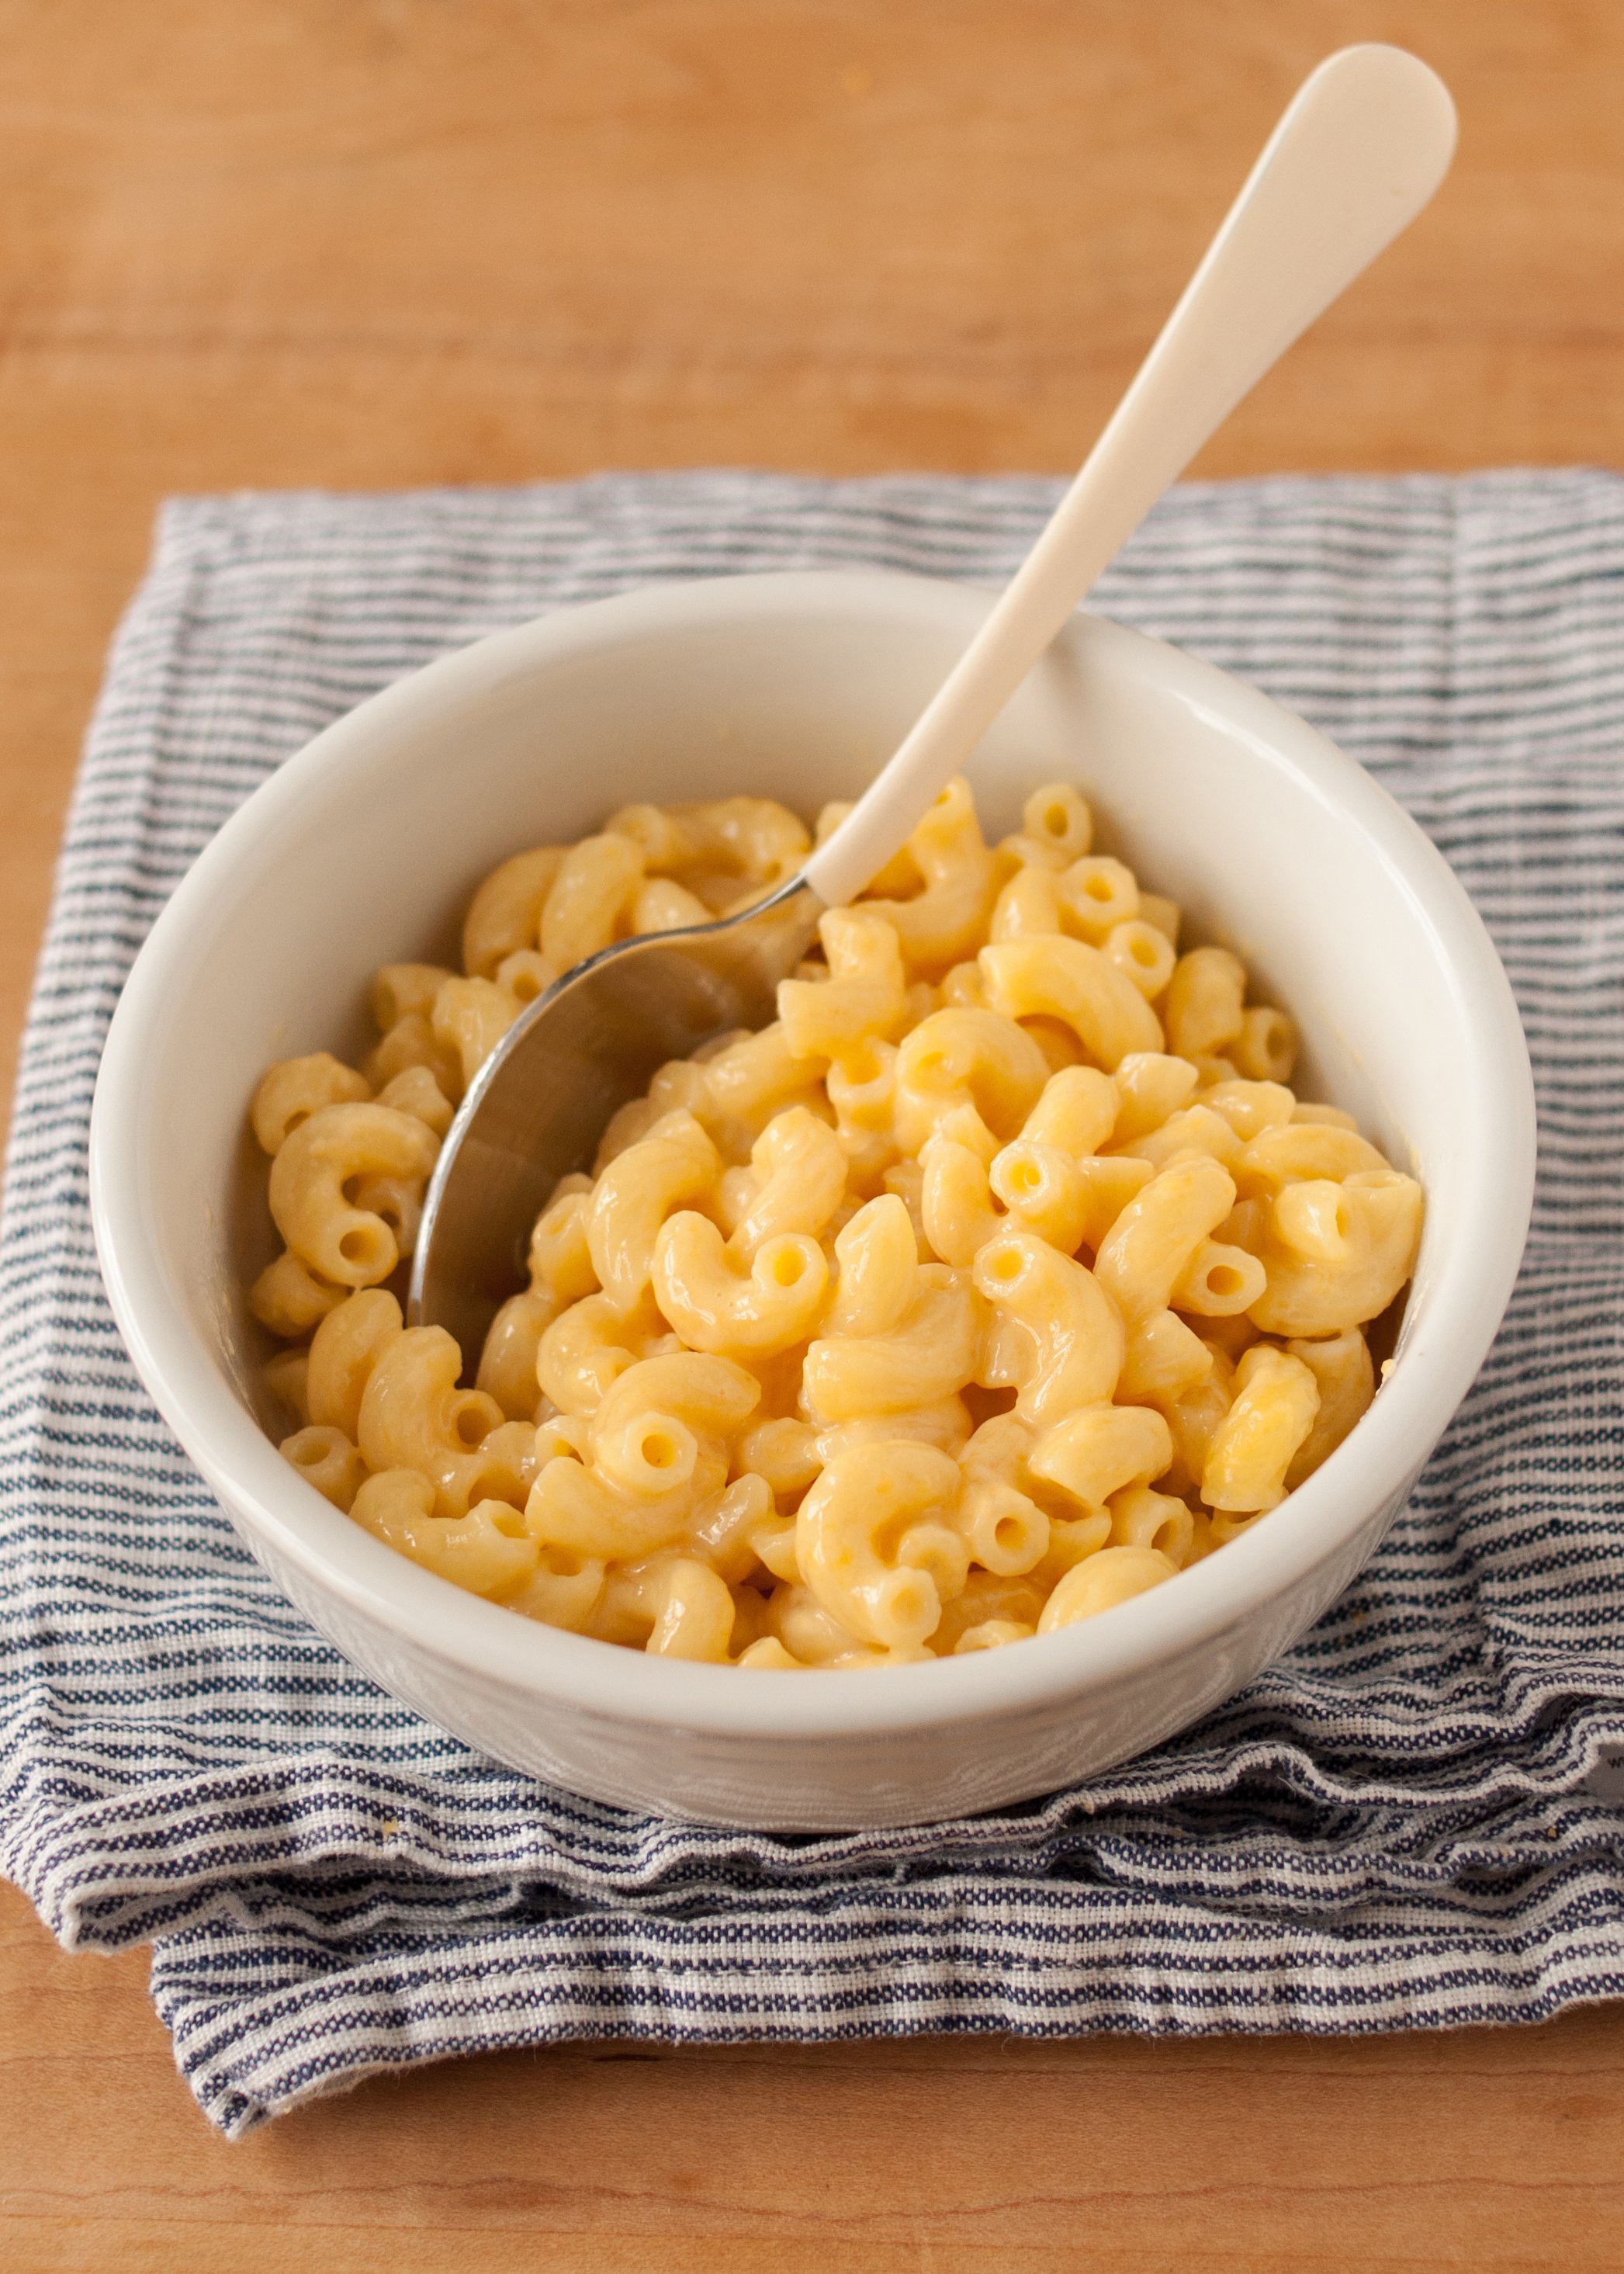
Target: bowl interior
<point x="366" y="847"/>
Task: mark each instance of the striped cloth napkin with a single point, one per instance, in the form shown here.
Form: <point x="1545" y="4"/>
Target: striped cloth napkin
<point x="1412" y="1820"/>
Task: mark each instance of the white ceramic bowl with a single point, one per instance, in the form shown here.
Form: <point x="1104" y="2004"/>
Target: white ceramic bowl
<point x="366" y="847"/>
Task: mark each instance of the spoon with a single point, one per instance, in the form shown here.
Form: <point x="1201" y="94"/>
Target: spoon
<point x="1366" y="141"/>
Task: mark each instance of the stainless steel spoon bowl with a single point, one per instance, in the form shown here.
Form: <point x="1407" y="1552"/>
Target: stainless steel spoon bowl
<point x="541" y="1101"/>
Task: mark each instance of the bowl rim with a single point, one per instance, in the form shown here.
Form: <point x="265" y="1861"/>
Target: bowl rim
<point x="289" y="1521"/>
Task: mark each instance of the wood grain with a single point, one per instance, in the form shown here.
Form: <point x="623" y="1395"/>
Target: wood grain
<point x="381" y="242"/>
<point x="1490" y="2149"/>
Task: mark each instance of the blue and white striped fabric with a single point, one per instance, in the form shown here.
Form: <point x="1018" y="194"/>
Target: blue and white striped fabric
<point x="1410" y="1821"/>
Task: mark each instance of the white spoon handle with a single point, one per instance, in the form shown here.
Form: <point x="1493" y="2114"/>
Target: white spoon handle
<point x="1367" y="140"/>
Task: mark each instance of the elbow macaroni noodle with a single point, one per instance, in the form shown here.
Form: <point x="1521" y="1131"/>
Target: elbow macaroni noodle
<point x="1000" y="1278"/>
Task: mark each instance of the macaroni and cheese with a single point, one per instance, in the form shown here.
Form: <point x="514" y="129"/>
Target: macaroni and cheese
<point x="1000" y="1278"/>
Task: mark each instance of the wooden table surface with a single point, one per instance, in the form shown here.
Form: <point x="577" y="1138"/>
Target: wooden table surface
<point x="291" y="242"/>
